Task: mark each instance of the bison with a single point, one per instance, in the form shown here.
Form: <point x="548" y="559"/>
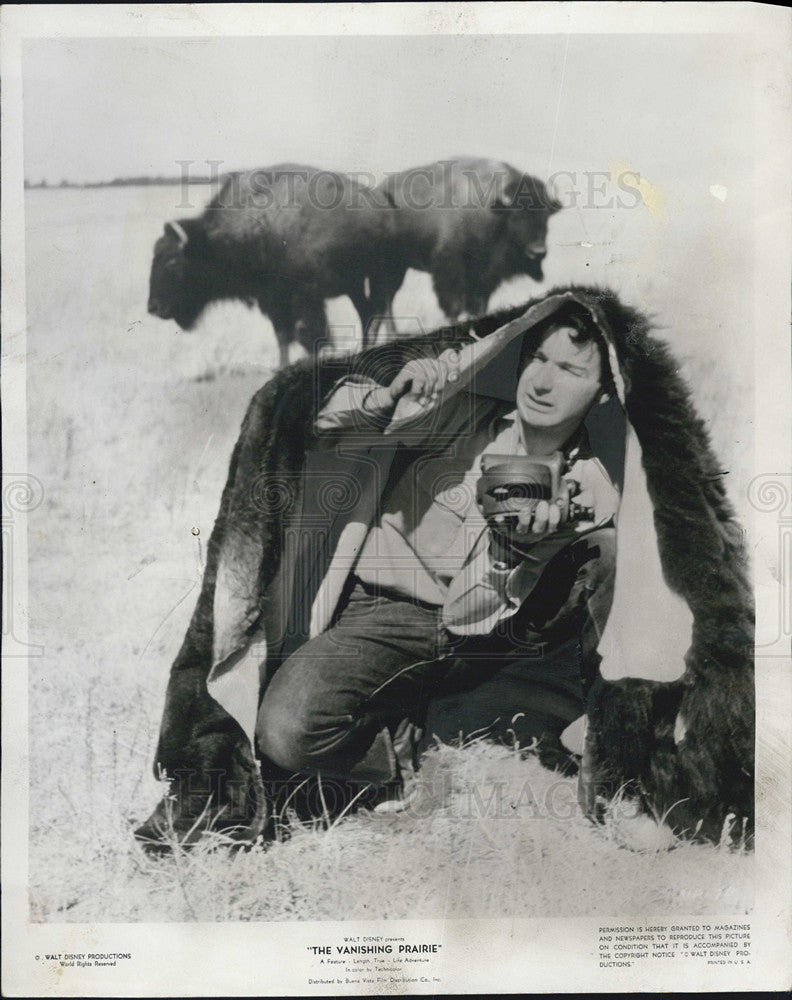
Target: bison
<point x="471" y="223"/>
<point x="286" y="237"/>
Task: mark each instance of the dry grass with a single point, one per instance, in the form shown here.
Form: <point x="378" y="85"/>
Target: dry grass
<point x="490" y="834"/>
<point x="130" y="429"/>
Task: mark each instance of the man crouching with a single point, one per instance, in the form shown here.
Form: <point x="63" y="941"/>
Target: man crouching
<point x="477" y="620"/>
<point x="461" y="586"/>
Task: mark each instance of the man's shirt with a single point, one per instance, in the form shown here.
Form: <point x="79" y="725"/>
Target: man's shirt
<point x="430" y="539"/>
<point x="429" y="520"/>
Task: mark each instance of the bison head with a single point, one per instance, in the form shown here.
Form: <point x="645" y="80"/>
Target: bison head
<point x="525" y="209"/>
<point x="179" y="286"/>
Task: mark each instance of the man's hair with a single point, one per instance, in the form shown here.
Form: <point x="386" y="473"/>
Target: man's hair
<point x="585" y="332"/>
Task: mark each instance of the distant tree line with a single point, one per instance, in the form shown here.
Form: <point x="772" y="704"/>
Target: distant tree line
<point x="122" y="182"/>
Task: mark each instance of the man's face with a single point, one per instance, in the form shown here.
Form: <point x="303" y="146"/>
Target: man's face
<point x="559" y="382"/>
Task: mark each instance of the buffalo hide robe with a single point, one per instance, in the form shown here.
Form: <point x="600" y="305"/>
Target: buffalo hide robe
<point x="683" y="749"/>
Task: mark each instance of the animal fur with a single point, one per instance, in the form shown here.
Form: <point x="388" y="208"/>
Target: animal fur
<point x="685" y="748"/>
<point x="472" y="223"/>
<point x="285" y="237"/>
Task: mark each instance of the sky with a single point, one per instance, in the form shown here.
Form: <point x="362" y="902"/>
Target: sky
<point x="670" y="105"/>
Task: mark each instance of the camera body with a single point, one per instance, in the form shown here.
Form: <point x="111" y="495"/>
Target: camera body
<point x="510" y="483"/>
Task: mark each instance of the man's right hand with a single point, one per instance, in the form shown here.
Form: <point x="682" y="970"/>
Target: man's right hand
<point x="423" y="379"/>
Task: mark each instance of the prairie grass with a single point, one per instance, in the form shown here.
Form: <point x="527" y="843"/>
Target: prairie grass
<point x="490" y="834"/>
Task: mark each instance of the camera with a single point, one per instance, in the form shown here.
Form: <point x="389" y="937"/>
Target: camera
<point x="510" y="483"/>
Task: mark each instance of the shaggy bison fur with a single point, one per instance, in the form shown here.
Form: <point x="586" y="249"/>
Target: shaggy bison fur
<point x="471" y="223"/>
<point x="684" y="749"/>
<point x="285" y="237"/>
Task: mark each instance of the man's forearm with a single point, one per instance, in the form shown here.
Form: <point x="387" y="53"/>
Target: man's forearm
<point x="355" y="404"/>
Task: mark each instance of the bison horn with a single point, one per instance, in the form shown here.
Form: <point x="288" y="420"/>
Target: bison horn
<point x="176" y="229"/>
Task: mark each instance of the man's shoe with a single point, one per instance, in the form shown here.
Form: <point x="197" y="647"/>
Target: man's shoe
<point x="398" y="795"/>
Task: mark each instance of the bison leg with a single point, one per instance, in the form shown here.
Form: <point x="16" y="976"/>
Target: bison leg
<point x="380" y="317"/>
<point x="383" y="287"/>
<point x="277" y="308"/>
<point x="450" y="284"/>
<point x="388" y="319"/>
<point x="369" y="318"/>
<point x="476" y="303"/>
<point x="284" y="339"/>
<point x="296" y="316"/>
<point x="310" y="324"/>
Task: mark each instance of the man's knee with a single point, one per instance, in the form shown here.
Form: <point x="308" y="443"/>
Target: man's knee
<point x="281" y="735"/>
<point x="300" y="735"/>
